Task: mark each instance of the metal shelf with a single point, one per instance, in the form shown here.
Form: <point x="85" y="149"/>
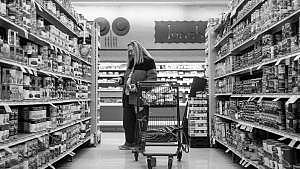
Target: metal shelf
<point x="21" y="65"/>
<point x="285" y="134"/>
<point x="66" y="12"/>
<point x="233" y="150"/>
<point x="220" y="42"/>
<point x="66" y="153"/>
<point x="34" y="38"/>
<point x="39" y="102"/>
<point x="266" y="95"/>
<point x="258" y="66"/>
<point x="223" y="57"/>
<point x="43" y="12"/>
<point x="223" y="94"/>
<point x="248" y="42"/>
<point x="26" y="137"/>
<point x="248" y="13"/>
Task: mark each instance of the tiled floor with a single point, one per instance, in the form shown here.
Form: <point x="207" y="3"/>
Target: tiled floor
<point x="107" y="156"/>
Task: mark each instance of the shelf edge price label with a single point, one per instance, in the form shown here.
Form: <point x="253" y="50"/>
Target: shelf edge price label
<point x="53" y="105"/>
<point x="282" y="138"/>
<point x="260" y="99"/>
<point x="23" y="69"/>
<point x="7" y="108"/>
<point x="292" y="143"/>
<point x="297" y="57"/>
<point x="275" y="100"/>
<point x="227" y="150"/>
<point x="278" y="61"/>
<point x="247" y="165"/>
<point x="241" y="161"/>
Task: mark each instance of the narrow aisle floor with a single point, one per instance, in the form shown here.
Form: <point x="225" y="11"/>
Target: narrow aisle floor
<point x="107" y="156"/>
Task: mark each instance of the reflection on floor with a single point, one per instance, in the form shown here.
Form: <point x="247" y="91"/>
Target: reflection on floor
<point x="107" y="156"/>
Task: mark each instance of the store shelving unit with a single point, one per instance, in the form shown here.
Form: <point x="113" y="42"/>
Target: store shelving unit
<point x="110" y="70"/>
<point x="252" y="71"/>
<point x="29" y="35"/>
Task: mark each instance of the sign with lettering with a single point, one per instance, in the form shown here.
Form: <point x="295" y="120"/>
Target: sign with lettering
<point x="180" y="31"/>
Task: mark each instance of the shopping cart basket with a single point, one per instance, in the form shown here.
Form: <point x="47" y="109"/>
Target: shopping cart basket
<point x="158" y="130"/>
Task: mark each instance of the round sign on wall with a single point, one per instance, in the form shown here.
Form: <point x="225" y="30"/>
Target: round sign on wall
<point x="120" y="26"/>
<point x="104" y="25"/>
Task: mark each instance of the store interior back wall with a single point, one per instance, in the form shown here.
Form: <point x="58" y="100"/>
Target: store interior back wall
<point x="142" y="20"/>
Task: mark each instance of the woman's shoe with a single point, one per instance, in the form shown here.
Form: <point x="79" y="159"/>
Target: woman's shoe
<point x="126" y="147"/>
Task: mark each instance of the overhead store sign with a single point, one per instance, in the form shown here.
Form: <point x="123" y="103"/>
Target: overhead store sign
<point x="180" y="31"/>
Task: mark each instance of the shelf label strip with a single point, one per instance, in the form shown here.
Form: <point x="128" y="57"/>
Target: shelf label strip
<point x="282" y="138"/>
<point x="297" y="57"/>
<point x="7" y="108"/>
<point x="292" y="143"/>
<point x="275" y="100"/>
<point x="291" y="100"/>
<point x="260" y="99"/>
<point x="247" y="165"/>
<point x="53" y="105"/>
<point x="23" y="69"/>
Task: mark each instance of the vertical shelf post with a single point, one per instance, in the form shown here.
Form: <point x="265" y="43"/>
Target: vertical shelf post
<point x="94" y="86"/>
<point x="211" y="82"/>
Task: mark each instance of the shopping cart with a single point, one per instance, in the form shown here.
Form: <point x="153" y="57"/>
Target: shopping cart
<point x="157" y="130"/>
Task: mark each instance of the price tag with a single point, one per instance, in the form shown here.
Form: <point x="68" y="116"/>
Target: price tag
<point x="243" y="127"/>
<point x="275" y="100"/>
<point x="26" y="34"/>
<point x="281" y="139"/>
<point x="72" y="154"/>
<point x="278" y="61"/>
<point x="298" y="147"/>
<point x="38" y="6"/>
<point x="238" y="125"/>
<point x="253" y="98"/>
<point x="251" y="129"/>
<point x="23" y="69"/>
<point x="247" y="165"/>
<point x="260" y="99"/>
<point x="251" y="71"/>
<point x="53" y="105"/>
<point x="7" y="108"/>
<point x="241" y="161"/>
<point x="8" y="150"/>
<point x="259" y="67"/>
<point x="249" y="99"/>
<point x="227" y="150"/>
<point x="51" y="166"/>
<point x="29" y="71"/>
<point x="244" y="163"/>
<point x="34" y="72"/>
<point x="297" y="58"/>
<point x="292" y="100"/>
<point x="292" y="143"/>
<point x="51" y="46"/>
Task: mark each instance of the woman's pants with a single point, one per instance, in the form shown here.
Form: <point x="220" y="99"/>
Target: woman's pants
<point x="129" y="119"/>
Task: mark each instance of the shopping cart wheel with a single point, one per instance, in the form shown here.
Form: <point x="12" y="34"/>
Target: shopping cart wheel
<point x="179" y="155"/>
<point x="136" y="156"/>
<point x="170" y="161"/>
<point x="149" y="163"/>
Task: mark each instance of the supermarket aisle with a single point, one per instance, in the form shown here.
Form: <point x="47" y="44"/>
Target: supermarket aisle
<point x="107" y="156"/>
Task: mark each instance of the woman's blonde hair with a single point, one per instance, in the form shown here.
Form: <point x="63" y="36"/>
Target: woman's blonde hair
<point x="140" y="53"/>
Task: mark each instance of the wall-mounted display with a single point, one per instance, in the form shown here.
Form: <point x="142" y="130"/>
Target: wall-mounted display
<point x="180" y="31"/>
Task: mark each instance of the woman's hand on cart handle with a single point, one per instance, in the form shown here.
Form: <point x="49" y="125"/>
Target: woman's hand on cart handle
<point x="132" y="88"/>
<point x="118" y="81"/>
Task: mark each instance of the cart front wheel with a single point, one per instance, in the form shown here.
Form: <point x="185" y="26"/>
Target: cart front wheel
<point x="170" y="161"/>
<point x="136" y="156"/>
<point x="149" y="163"/>
<point x="179" y="155"/>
